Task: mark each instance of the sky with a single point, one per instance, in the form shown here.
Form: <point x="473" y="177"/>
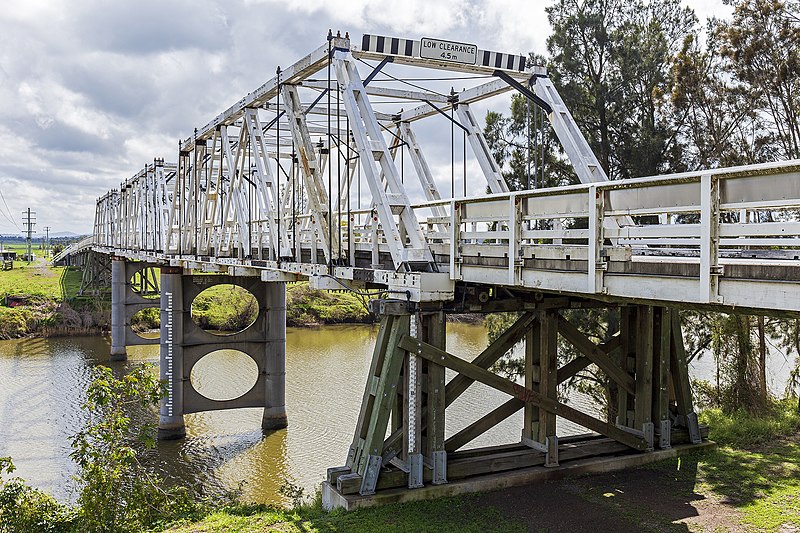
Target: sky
<point x="91" y="90"/>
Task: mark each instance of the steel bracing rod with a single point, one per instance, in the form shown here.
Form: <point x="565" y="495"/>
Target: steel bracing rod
<point x="312" y="172"/>
<point x="480" y="148"/>
<point x="387" y="92"/>
<point x="378" y="165"/>
<point x="300" y="70"/>
<point x="524" y="90"/>
<point x="422" y="169"/>
<point x="468" y="96"/>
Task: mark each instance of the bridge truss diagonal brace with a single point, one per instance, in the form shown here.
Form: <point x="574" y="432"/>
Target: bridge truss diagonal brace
<point x="422" y="168"/>
<point x="490" y="168"/>
<point x="266" y="183"/>
<point x="311" y="168"/>
<point x="525" y="394"/>
<point x="583" y="160"/>
<point x="379" y="167"/>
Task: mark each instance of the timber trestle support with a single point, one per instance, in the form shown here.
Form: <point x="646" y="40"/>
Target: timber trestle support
<point x="406" y="397"/>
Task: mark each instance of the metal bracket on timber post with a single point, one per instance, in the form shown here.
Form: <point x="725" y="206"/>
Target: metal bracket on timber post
<point x="661" y="359"/>
<point x="431" y="329"/>
<point x="541" y="376"/>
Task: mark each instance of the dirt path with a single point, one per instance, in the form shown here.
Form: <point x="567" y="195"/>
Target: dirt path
<point x="658" y="497"/>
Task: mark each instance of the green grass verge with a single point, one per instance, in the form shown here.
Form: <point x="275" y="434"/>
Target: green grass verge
<point x="444" y="515"/>
<point x="306" y="306"/>
<point x="743" y="430"/>
<point x="38" y="281"/>
<point x="756" y="469"/>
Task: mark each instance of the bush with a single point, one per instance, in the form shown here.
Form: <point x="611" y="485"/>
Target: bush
<point x="13" y="322"/>
<point x="117" y="492"/>
<point x="24" y="508"/>
<point x="741" y="429"/>
<point x="306" y="307"/>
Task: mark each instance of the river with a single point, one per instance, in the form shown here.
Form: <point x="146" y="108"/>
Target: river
<point x="42" y="384"/>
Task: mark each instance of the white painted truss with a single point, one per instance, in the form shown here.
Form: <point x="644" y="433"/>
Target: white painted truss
<point x="305" y="177"/>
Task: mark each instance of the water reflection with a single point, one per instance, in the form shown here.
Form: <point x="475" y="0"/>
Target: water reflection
<point x="42" y="384"/>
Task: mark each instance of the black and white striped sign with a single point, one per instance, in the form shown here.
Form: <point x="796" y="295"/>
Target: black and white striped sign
<point x="410" y="48"/>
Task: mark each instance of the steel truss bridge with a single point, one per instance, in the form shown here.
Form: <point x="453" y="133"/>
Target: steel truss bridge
<point x="320" y="174"/>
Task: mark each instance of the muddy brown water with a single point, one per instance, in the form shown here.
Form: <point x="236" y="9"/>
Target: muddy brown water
<point x="42" y="384"/>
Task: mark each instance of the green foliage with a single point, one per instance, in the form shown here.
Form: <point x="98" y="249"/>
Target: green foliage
<point x="146" y="319"/>
<point x="14" y="322"/>
<point x="117" y="492"/>
<point x="742" y="429"/>
<point x="294" y="492"/>
<point x="306" y="306"/>
<point x="224" y="308"/>
<point x="25" y="509"/>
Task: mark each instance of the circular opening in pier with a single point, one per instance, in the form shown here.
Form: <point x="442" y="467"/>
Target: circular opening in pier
<point x="146" y="322"/>
<point x="224" y="375"/>
<point x="146" y="283"/>
<point x="224" y="309"/>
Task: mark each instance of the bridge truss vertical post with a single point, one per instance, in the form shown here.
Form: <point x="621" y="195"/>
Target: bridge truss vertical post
<point x="275" y="364"/>
<point x="118" y="296"/>
<point x="170" y="421"/>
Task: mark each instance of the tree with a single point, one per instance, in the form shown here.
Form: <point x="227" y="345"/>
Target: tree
<point x="610" y="61"/>
<point x="762" y="42"/>
<point x="117" y="492"/>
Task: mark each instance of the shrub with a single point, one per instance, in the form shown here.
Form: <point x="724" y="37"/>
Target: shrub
<point x="741" y="429"/>
<point x="24" y="508"/>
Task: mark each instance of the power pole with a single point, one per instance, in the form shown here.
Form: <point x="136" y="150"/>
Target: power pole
<point x="47" y="240"/>
<point x="29" y="221"/>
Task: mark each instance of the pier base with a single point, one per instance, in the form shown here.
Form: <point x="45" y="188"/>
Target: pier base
<point x="333" y="498"/>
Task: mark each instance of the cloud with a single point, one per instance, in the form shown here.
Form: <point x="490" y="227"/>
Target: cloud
<point x="92" y="90"/>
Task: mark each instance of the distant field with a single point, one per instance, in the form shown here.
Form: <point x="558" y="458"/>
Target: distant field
<point x="40" y="280"/>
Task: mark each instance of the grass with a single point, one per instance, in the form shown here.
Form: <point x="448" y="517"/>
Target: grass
<point x="306" y="306"/>
<point x="38" y="281"/>
<point x="756" y="469"/>
<point x="443" y="515"/>
<point x="751" y="482"/>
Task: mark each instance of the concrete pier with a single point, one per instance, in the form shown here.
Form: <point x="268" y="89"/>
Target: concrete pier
<point x="118" y="300"/>
<point x="170" y="421"/>
<point x="275" y="357"/>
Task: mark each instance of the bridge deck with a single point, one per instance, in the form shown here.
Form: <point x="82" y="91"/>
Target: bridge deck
<point x="686" y="239"/>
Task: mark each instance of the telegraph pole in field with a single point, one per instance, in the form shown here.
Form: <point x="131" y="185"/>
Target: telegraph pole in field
<point x="29" y="221"/>
<point x="47" y="240"/>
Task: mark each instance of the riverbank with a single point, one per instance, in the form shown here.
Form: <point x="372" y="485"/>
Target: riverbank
<point x="751" y="482"/>
<point x="39" y="300"/>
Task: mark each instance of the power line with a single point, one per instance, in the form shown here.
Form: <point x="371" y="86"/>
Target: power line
<point x="9" y="212"/>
